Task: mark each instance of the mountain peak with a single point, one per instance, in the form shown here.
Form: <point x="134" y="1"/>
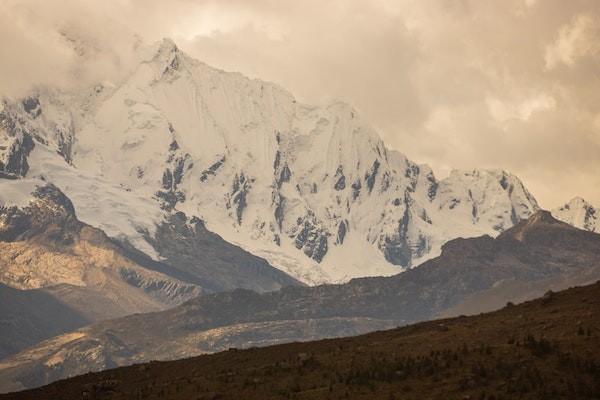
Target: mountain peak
<point x="167" y="55"/>
<point x="482" y="172"/>
<point x="577" y="201"/>
<point x="579" y="213"/>
<point x="167" y="45"/>
<point x="341" y="106"/>
<point x="542" y="216"/>
<point x="539" y="221"/>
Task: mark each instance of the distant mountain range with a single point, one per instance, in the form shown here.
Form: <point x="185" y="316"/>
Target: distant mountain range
<point x="478" y="274"/>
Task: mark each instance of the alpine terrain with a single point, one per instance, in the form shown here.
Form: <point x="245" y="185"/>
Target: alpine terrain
<point x="470" y="276"/>
<point x="58" y="274"/>
<point x="313" y="190"/>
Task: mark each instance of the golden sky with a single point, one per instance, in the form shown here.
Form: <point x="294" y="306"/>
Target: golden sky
<point x="511" y="84"/>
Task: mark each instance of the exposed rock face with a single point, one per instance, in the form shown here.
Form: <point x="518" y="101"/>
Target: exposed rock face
<point x="238" y="196"/>
<point x="177" y="164"/>
<point x="201" y="257"/>
<point x="15" y="157"/>
<point x="524" y="262"/>
<point x="15" y="146"/>
<point x="24" y="123"/>
<point x="340" y="179"/>
<point x="342" y="231"/>
<point x="50" y="215"/>
<point x="310" y="238"/>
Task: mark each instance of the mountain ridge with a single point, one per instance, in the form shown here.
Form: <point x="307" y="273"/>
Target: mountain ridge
<point x="314" y="190"/>
<point x="538" y="349"/>
<point x="523" y="262"/>
<point x="46" y="252"/>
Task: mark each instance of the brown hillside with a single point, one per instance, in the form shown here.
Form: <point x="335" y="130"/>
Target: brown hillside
<point x="542" y="349"/>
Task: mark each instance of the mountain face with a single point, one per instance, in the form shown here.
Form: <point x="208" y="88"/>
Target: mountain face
<point x="521" y="263"/>
<point x="43" y="244"/>
<point x="314" y="190"/>
<point x="547" y="348"/>
<point x="580" y="214"/>
<point x="47" y="253"/>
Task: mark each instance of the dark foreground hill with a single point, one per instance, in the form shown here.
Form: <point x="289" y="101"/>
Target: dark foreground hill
<point x="543" y="349"/>
<point x="479" y="274"/>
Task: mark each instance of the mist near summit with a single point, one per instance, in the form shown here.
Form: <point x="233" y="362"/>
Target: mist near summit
<point x="465" y="84"/>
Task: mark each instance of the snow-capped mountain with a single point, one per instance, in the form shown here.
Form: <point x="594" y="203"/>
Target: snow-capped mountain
<point x="314" y="190"/>
<point x="580" y="214"/>
<point x="58" y="274"/>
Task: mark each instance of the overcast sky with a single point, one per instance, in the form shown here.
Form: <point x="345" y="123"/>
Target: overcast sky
<point x="511" y="84"/>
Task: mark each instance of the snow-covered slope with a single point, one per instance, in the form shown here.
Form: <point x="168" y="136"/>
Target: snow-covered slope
<point x="314" y="190"/>
<point x="42" y="244"/>
<point x="580" y="214"/>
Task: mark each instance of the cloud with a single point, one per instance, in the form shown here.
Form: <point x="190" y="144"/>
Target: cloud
<point x="577" y="39"/>
<point x="61" y="43"/>
<point x="522" y="110"/>
<point x="511" y="84"/>
<point x="29" y="56"/>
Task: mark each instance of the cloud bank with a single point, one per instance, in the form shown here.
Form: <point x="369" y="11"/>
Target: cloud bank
<point x="513" y="84"/>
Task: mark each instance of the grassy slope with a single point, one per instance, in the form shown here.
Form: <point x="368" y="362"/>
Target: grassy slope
<point x="547" y="348"/>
